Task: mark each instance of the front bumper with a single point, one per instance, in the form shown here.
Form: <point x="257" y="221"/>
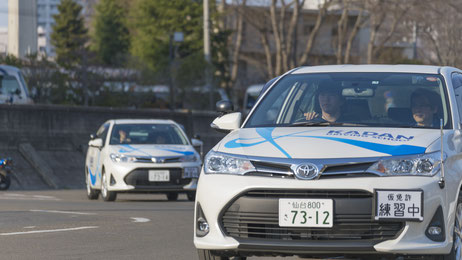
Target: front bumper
<point x="134" y="178"/>
<point x="230" y="193"/>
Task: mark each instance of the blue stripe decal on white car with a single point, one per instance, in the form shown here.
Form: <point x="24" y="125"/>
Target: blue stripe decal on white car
<point x="266" y="134"/>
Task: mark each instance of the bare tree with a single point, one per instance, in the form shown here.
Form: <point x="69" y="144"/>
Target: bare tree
<point x="346" y="35"/>
<point x="277" y="29"/>
<point x="238" y="42"/>
<point x="439" y="31"/>
<point x="384" y="20"/>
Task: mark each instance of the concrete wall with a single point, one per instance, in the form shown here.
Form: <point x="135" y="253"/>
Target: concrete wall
<point x="63" y="132"/>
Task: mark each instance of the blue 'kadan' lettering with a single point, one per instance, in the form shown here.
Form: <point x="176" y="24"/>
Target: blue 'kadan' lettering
<point x="369" y="134"/>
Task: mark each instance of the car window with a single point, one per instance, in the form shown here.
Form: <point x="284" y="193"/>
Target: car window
<point x="147" y="134"/>
<point x="10" y="85"/>
<point x="457" y="85"/>
<point x="102" y="132"/>
<point x="369" y="99"/>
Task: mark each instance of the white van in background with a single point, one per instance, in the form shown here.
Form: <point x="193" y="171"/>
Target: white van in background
<point x="251" y="96"/>
<point x="13" y="87"/>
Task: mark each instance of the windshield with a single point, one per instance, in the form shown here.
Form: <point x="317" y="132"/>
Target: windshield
<point x="364" y="99"/>
<point x="147" y="134"/>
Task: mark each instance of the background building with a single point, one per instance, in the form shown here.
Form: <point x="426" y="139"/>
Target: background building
<point x="22" y="27"/>
<point x="3" y="41"/>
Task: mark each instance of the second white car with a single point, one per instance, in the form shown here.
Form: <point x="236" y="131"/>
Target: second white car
<point x="141" y="156"/>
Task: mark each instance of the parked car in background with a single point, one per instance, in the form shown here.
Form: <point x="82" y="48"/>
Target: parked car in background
<point x="13" y="87"/>
<point x="356" y="160"/>
<point x="141" y="156"/>
<point x="251" y="96"/>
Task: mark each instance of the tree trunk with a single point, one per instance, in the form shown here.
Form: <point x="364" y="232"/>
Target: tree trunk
<point x="309" y="44"/>
<point x="353" y="33"/>
<point x="269" y="60"/>
<point x="341" y="31"/>
<point x="277" y="37"/>
<point x="291" y="35"/>
<point x="237" y="45"/>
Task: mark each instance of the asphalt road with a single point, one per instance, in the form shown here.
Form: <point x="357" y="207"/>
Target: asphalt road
<point x="66" y="225"/>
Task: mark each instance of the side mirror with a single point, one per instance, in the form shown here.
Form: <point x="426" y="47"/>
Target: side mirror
<point x="98" y="143"/>
<point x="224" y="106"/>
<point x="227" y="123"/>
<point x="196" y="143"/>
<point x="92" y="136"/>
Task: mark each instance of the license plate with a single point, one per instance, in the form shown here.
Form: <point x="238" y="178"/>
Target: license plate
<point x="399" y="204"/>
<point x="306" y="212"/>
<point x="155" y="175"/>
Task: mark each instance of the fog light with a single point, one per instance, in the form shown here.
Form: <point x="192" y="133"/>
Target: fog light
<point x="202" y="225"/>
<point x="434" y="231"/>
<point x="112" y="181"/>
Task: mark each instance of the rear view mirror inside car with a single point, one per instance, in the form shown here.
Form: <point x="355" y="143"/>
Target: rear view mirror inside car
<point x="358" y="92"/>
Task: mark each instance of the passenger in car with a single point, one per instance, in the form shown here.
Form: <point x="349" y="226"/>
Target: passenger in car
<point x="424" y="106"/>
<point x="331" y="102"/>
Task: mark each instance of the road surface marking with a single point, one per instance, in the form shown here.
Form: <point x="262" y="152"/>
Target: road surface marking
<point x="17" y="196"/>
<point x="62" y="212"/>
<point x="43" y="197"/>
<point x="140" y="220"/>
<point x="46" y="231"/>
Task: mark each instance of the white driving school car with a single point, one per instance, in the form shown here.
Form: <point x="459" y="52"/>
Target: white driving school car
<point x="141" y="156"/>
<point x="344" y="160"/>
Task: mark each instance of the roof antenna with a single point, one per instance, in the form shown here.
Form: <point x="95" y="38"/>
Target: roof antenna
<point x="441" y="182"/>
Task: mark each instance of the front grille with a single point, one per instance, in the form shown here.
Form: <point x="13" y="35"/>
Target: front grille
<point x="254" y="215"/>
<point x="283" y="170"/>
<point x="148" y="159"/>
<point x="314" y="194"/>
<point x="140" y="177"/>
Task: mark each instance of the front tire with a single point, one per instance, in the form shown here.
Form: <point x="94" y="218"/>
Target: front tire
<point x="207" y="255"/>
<point x="92" y="194"/>
<point x="172" y="196"/>
<point x="191" y="195"/>
<point x="105" y="193"/>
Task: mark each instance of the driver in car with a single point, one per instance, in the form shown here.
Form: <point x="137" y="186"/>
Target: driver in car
<point x="331" y="102"/>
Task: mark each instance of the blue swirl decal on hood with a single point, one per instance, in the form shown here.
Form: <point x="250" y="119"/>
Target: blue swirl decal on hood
<point x="266" y="134"/>
<point x="133" y="149"/>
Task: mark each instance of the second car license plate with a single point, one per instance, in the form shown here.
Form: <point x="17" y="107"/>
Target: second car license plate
<point x="306" y="213"/>
<point x="159" y="175"/>
<point x="399" y="204"/>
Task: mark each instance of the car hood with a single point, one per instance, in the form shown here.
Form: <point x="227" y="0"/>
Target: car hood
<point x="152" y="150"/>
<point x="327" y="142"/>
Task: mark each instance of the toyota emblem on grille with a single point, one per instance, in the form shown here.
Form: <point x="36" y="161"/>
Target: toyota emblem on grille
<point x="306" y="171"/>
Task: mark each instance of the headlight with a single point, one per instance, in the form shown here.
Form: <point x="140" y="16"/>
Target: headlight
<point x="221" y="163"/>
<point x="189" y="158"/>
<point x="122" y="158"/>
<point x="419" y="165"/>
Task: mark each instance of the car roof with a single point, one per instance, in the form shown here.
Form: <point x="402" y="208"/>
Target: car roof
<point x="426" y="69"/>
<point x="9" y="69"/>
<point x="143" y="121"/>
